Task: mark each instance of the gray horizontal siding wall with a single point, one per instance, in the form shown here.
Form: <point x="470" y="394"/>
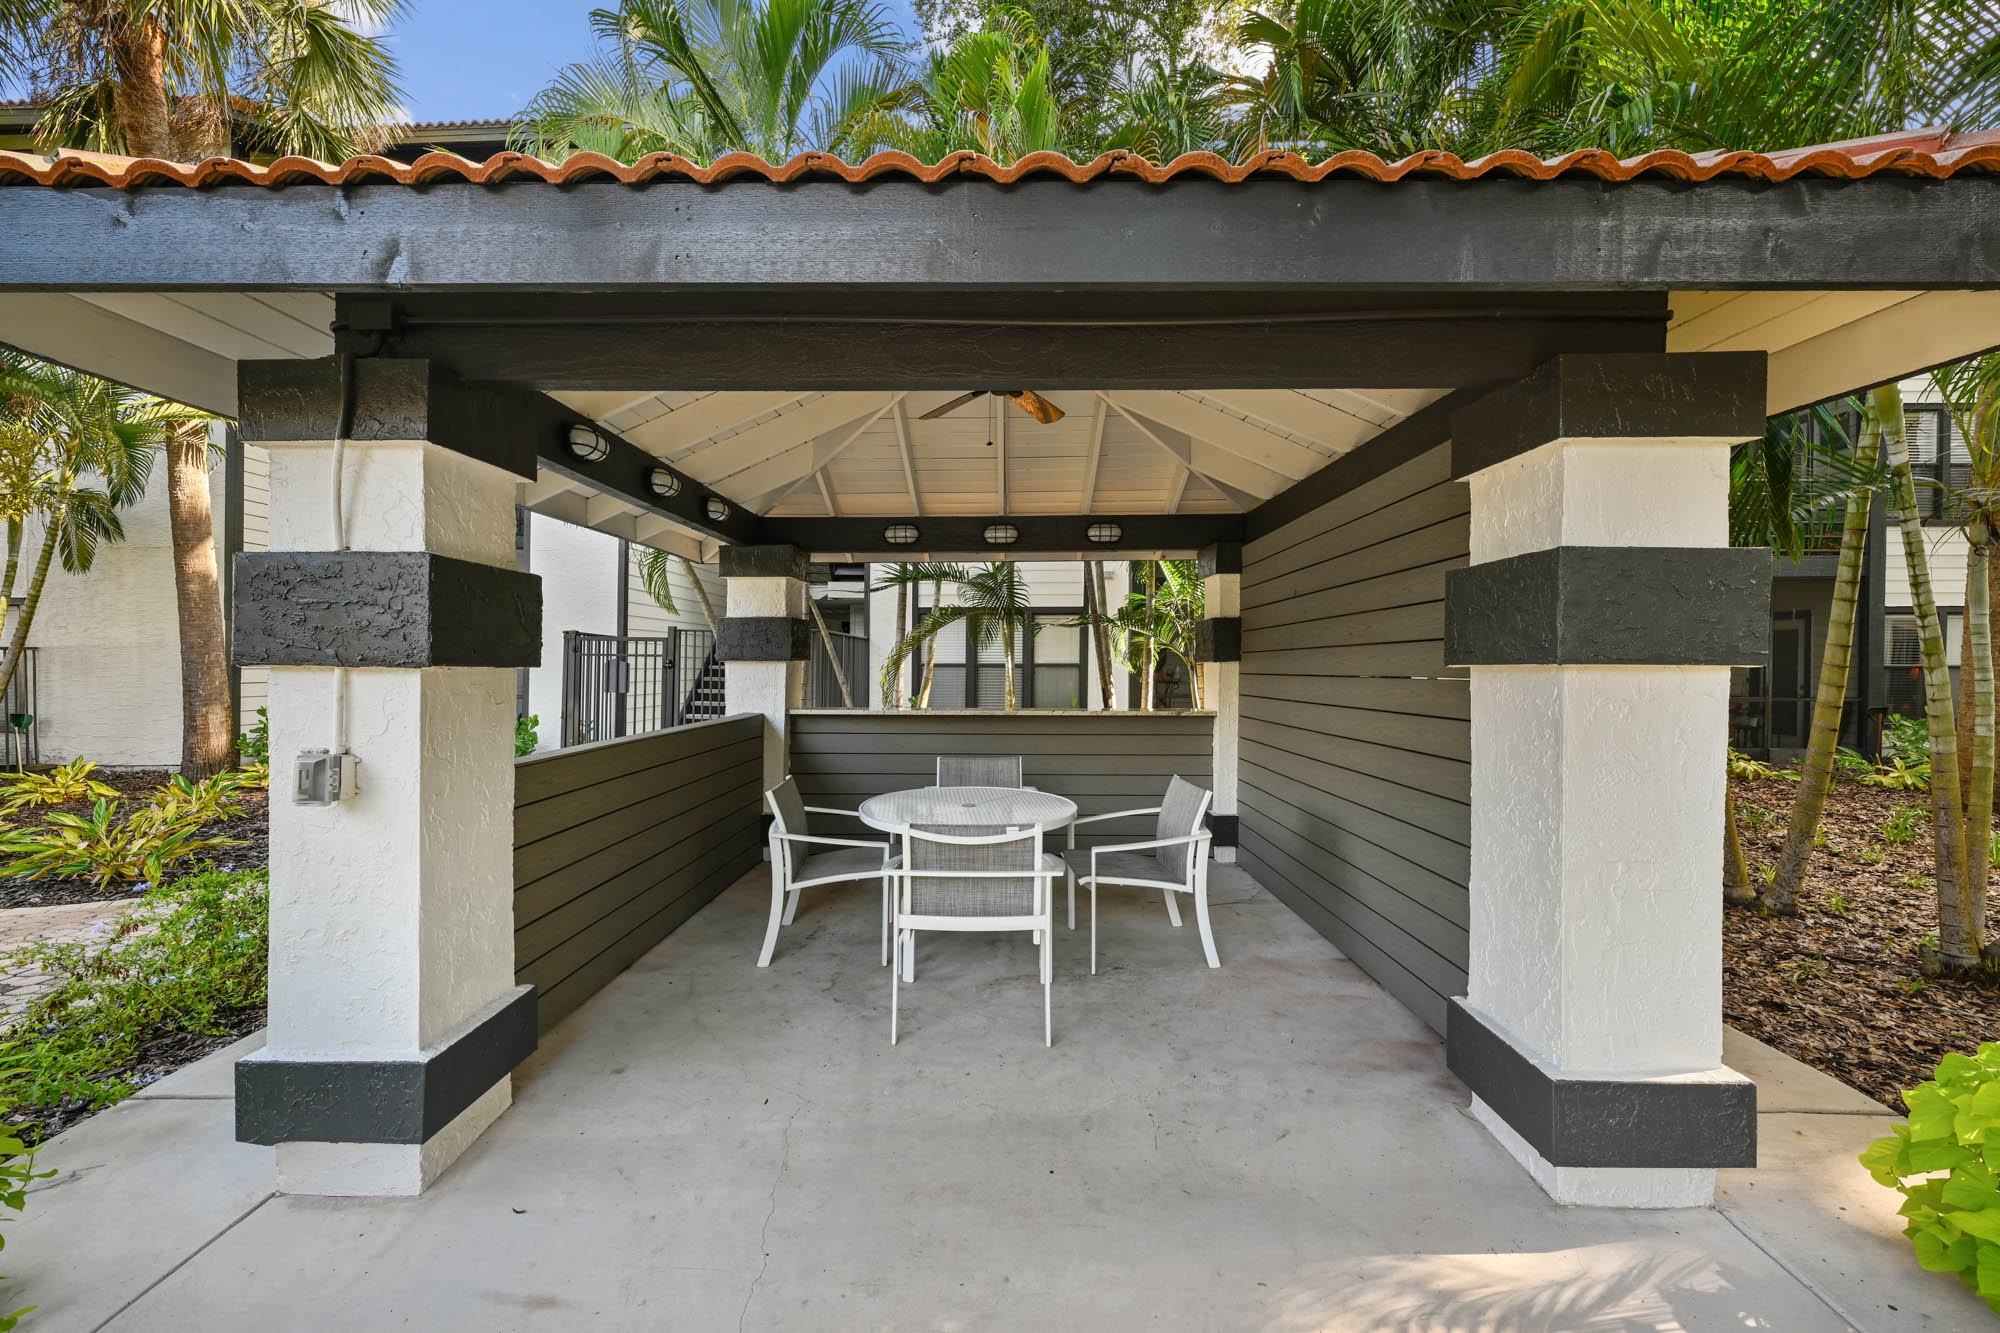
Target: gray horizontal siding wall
<point x="1356" y="748"/>
<point x="1102" y="761"/>
<point x="616" y="844"/>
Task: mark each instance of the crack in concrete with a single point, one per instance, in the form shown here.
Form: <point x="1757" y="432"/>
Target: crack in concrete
<point x="764" y="1232"/>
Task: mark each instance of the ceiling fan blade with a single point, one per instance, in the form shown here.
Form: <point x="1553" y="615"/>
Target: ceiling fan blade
<point x="1036" y="406"/>
<point x="953" y="405"/>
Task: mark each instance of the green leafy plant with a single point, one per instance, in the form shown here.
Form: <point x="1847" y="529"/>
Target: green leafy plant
<point x="189" y="959"/>
<point x="1897" y="775"/>
<point x="1907" y="739"/>
<point x="17" y="1156"/>
<point x="1943" y="1163"/>
<point x="213" y="798"/>
<point x="106" y="848"/>
<point x="1756" y="770"/>
<point x="254" y="745"/>
<point x="1916" y="881"/>
<point x="1903" y="824"/>
<point x="1836" y="902"/>
<point x="1851" y="764"/>
<point x="525" y="736"/>
<point x="1755" y="816"/>
<point x="1809" y="969"/>
<point x="1874" y="854"/>
<point x="58" y="786"/>
<point x="1914" y="986"/>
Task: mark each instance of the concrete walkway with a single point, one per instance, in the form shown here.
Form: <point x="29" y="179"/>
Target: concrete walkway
<point x="706" y="1146"/>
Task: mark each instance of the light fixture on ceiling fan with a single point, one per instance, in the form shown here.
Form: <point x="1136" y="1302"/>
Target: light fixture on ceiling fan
<point x="1036" y="406"/>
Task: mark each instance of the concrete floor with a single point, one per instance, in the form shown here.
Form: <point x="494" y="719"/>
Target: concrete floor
<point x="704" y="1146"/>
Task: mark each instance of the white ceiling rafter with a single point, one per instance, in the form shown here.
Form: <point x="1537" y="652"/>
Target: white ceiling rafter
<point x="996" y="419"/>
<point x="1308" y="420"/>
<point x="1226" y="431"/>
<point x="826" y="493"/>
<point x="1094" y="455"/>
<point x="1217" y="465"/>
<point x="545" y="487"/>
<point x="902" y="414"/>
<point x="706" y="417"/>
<point x="724" y="456"/>
<point x="775" y="478"/>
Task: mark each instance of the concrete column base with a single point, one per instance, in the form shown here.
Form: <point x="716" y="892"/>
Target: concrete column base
<point x="373" y="1169"/>
<point x="1225" y="856"/>
<point x="1602" y="1186"/>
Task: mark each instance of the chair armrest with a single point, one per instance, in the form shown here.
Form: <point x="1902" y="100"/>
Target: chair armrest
<point x="1151" y="844"/>
<point x="1115" y="814"/>
<point x="831" y="842"/>
<point x="829" y="810"/>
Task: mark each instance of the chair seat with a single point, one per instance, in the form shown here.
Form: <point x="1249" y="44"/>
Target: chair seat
<point x="1121" y="868"/>
<point x="838" y="863"/>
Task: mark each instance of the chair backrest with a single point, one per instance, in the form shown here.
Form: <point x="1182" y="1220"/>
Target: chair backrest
<point x="787" y="807"/>
<point x="1180" y="816"/>
<point x="986" y="879"/>
<point x="979" y="770"/>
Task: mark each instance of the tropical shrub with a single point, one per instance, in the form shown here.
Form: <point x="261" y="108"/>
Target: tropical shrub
<point x="17" y="1157"/>
<point x="1743" y="767"/>
<point x="254" y="745"/>
<point x="107" y="848"/>
<point x="1948" y="1170"/>
<point x="213" y="798"/>
<point x="525" y="736"/>
<point x="58" y="786"/>
<point x="189" y="958"/>
<point x="1903" y="824"/>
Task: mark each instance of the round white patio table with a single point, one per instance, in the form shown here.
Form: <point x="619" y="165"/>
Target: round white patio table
<point x="994" y="808"/>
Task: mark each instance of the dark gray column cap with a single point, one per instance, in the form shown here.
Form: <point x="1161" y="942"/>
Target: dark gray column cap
<point x="764" y="639"/>
<point x="763" y="562"/>
<point x="1219" y="640"/>
<point x="383" y="609"/>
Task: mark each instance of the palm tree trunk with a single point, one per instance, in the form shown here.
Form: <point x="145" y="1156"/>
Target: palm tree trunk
<point x="1816" y="776"/>
<point x="139" y="60"/>
<point x="930" y="659"/>
<point x="1957" y="947"/>
<point x="1151" y="659"/>
<point x="14" y="530"/>
<point x="1007" y="638"/>
<point x="700" y="593"/>
<point x="1977" y="663"/>
<point x="1736" y="886"/>
<point x="832" y="657"/>
<point x="1106" y="666"/>
<point x="208" y="734"/>
<point x="896" y="692"/>
<point x="18" y="645"/>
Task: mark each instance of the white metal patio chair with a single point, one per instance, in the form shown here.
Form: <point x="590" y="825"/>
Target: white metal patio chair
<point x="965" y="879"/>
<point x="1174" y="860"/>
<point x="979" y="770"/>
<point x="801" y="859"/>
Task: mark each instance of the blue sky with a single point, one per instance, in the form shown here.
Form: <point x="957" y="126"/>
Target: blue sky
<point x="483" y="59"/>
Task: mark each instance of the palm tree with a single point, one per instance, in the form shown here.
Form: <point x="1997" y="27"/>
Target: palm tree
<point x="988" y="91"/>
<point x="1163" y="619"/>
<point x="186" y="79"/>
<point x="1167" y="113"/>
<point x="1764" y="503"/>
<point x="1971" y="390"/>
<point x="208" y="726"/>
<point x="704" y="77"/>
<point x="60" y="430"/>
<point x="990" y="601"/>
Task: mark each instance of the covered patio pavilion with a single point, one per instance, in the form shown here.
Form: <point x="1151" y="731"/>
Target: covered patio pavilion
<point x="1450" y="440"/>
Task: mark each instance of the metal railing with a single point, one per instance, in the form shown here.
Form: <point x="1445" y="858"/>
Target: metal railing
<point x="822" y="689"/>
<point x="20" y="741"/>
<point x="614" y="687"/>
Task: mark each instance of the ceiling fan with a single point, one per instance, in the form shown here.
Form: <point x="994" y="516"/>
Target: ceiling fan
<point x="1036" y="406"/>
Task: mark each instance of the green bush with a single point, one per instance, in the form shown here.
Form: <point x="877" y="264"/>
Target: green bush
<point x="187" y="959"/>
<point x="254" y="745"/>
<point x="1948" y="1170"/>
<point x="525" y="737"/>
<point x="105" y="847"/>
<point x="58" y="786"/>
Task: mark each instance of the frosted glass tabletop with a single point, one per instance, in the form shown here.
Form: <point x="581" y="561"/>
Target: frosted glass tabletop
<point x="967" y="807"/>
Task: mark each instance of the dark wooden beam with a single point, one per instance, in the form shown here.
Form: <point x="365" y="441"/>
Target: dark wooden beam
<point x="1421" y="431"/>
<point x="1039" y="535"/>
<point x="1411" y="349"/>
<point x="1191" y="234"/>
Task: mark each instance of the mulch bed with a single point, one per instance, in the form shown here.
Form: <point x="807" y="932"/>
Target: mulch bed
<point x="134" y="785"/>
<point x="1841" y="986"/>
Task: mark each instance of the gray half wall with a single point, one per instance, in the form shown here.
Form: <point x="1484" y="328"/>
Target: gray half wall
<point x="618" y="843"/>
<point x="1102" y="761"/>
<point x="1355" y="766"/>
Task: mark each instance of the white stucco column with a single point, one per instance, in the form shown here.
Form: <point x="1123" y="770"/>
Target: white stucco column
<point x="1219" y="646"/>
<point x="394" y="1015"/>
<point x="1599" y="618"/>
<point x="764" y="642"/>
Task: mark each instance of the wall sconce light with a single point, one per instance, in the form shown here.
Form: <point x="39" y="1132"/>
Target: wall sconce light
<point x="588" y="445"/>
<point x="1104" y="534"/>
<point x="1001" y="534"/>
<point x="900" y="534"/>
<point x="716" y="508"/>
<point x="664" y="483"/>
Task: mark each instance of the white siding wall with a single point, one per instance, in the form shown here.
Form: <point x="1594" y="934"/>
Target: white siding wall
<point x="1945" y="551"/>
<point x="108" y="659"/>
<point x="579" y="573"/>
<point x="647" y="617"/>
<point x="255" y="687"/>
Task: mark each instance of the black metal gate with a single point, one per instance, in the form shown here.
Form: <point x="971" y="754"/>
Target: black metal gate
<point x="615" y="686"/>
<point x="20" y="729"/>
